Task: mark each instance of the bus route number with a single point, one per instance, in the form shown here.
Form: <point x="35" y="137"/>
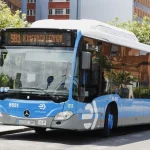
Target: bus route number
<point x="15" y="38"/>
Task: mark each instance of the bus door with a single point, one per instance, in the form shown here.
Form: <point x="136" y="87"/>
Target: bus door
<point x="89" y="88"/>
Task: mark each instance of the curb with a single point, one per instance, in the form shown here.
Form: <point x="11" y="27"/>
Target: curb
<point x="15" y="131"/>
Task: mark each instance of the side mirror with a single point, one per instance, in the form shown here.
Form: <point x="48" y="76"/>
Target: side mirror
<point x="86" y="60"/>
<point x="49" y="81"/>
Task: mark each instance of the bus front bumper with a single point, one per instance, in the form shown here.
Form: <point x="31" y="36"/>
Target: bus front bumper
<point x="47" y="122"/>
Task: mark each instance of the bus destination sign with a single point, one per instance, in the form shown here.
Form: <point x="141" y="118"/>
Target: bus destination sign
<point x="36" y="38"/>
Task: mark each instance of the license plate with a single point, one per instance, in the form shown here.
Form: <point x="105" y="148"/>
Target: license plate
<point x="26" y="122"/>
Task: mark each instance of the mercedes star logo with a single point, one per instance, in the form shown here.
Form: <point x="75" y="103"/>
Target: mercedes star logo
<point x="26" y="113"/>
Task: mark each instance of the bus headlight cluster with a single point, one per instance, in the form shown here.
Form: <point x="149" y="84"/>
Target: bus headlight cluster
<point x="63" y="115"/>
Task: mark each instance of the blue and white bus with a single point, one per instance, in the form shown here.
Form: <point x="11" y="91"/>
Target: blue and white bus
<point x="75" y="75"/>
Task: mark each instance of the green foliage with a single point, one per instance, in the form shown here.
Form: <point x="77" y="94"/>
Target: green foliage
<point x="7" y="19"/>
<point x="121" y="78"/>
<point x="141" y="92"/>
<point x="140" y="29"/>
<point x="4" y="80"/>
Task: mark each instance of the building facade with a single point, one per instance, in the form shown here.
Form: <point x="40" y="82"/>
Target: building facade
<point x="142" y="8"/>
<point x="46" y="9"/>
<point x="13" y="4"/>
<point x="107" y="10"/>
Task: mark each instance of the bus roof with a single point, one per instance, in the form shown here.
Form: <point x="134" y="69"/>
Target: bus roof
<point x="82" y="25"/>
<point x="95" y="29"/>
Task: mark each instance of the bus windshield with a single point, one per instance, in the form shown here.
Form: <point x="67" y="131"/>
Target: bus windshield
<point x="28" y="67"/>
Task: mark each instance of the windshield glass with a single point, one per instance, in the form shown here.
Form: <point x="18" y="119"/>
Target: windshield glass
<point x="28" y="68"/>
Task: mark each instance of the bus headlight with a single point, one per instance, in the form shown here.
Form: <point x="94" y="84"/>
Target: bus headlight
<point x="63" y="115"/>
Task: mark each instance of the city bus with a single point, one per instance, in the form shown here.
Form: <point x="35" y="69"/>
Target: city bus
<point x="76" y="75"/>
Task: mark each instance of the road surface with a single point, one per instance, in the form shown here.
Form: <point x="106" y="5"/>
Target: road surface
<point x="123" y="139"/>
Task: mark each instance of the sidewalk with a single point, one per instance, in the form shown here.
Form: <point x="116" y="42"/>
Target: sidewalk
<point x="5" y="129"/>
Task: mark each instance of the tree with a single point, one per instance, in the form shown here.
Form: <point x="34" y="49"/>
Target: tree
<point x="118" y="78"/>
<point x="4" y="80"/>
<point x="7" y="19"/>
<point x="140" y="29"/>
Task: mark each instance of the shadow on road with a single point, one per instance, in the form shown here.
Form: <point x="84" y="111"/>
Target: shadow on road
<point x="121" y="136"/>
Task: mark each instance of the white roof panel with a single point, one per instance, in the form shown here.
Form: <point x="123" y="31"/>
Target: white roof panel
<point x="95" y="29"/>
<point x="82" y="25"/>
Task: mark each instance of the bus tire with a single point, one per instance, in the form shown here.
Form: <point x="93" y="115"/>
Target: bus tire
<point x="39" y="130"/>
<point x="108" y="124"/>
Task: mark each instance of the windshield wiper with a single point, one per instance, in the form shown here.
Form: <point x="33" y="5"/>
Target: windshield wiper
<point x="27" y="88"/>
<point x="22" y="93"/>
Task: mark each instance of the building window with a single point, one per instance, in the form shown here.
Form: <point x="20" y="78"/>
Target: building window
<point x="50" y="0"/>
<point x="67" y="0"/>
<point x="67" y="11"/>
<point x="31" y="1"/>
<point x="50" y="11"/>
<point x="31" y="12"/>
<point x="58" y="11"/>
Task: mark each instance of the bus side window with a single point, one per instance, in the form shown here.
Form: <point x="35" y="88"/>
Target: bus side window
<point x="105" y="69"/>
<point x="90" y="78"/>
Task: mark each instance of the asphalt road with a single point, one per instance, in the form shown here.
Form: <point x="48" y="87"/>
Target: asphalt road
<point x="123" y="139"/>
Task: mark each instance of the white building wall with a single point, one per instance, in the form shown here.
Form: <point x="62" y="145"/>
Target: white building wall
<point x="24" y="6"/>
<point x="42" y="9"/>
<point x="102" y="10"/>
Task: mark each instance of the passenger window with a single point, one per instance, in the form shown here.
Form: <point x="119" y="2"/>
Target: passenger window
<point x="131" y="72"/>
<point x="144" y="77"/>
<point x="105" y="67"/>
<point x="115" y="75"/>
<point x="114" y="70"/>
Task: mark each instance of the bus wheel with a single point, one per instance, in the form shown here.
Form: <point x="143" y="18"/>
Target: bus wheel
<point x="39" y="130"/>
<point x="108" y="125"/>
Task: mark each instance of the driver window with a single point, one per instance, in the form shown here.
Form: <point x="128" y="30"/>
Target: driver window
<point x="90" y="78"/>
